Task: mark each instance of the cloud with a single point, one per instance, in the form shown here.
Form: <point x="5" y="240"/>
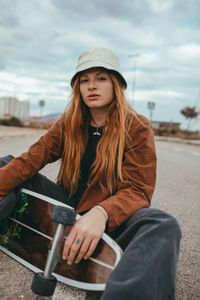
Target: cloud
<point x="41" y="42"/>
<point x="187" y="53"/>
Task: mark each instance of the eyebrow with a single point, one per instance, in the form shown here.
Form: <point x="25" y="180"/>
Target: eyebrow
<point x="97" y="74"/>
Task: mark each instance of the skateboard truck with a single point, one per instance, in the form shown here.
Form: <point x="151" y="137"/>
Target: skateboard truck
<point x="44" y="284"/>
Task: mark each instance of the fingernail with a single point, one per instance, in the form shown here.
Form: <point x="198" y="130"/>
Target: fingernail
<point x="64" y="257"/>
<point x="76" y="261"/>
<point x="69" y="263"/>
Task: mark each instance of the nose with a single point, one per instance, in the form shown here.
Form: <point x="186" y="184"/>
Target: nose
<point x="91" y="85"/>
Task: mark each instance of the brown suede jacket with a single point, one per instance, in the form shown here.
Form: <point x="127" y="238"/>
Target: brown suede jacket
<point x="133" y="193"/>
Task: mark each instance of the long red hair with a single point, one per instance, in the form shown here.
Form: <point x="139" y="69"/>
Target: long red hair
<point x="109" y="153"/>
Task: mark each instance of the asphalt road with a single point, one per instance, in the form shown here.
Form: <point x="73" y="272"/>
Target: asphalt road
<point x="177" y="192"/>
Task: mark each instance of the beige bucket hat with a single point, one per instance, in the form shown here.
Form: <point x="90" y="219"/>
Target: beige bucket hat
<point x="99" y="57"/>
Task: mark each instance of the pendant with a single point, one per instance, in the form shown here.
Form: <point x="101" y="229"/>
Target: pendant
<point x="96" y="133"/>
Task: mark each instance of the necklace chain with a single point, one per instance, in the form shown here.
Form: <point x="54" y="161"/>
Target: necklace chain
<point x="97" y="127"/>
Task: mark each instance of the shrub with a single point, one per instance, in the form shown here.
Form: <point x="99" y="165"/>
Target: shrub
<point x="12" y="121"/>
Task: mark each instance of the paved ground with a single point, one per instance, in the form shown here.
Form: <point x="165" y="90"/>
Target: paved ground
<point x="7" y="131"/>
<point x="177" y="192"/>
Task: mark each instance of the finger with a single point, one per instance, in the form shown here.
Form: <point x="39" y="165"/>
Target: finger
<point x="91" y="248"/>
<point x="74" y="250"/>
<point x="83" y="250"/>
<point x="68" y="243"/>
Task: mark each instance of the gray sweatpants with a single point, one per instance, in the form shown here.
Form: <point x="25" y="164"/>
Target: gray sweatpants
<point x="147" y="270"/>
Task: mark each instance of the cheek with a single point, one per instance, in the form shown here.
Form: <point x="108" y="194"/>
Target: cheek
<point x="82" y="93"/>
<point x="110" y="93"/>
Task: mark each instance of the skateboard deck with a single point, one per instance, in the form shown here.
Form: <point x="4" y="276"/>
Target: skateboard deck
<point x="29" y="234"/>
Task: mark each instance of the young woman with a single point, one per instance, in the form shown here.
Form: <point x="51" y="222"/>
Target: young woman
<point x="108" y="174"/>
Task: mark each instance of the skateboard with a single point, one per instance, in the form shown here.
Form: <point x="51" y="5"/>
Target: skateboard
<point x="35" y="235"/>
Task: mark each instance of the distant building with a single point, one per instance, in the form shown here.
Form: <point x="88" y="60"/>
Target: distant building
<point x="42" y="122"/>
<point x="11" y="106"/>
<point x="165" y="125"/>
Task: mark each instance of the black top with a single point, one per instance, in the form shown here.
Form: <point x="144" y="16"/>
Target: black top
<point x="86" y="163"/>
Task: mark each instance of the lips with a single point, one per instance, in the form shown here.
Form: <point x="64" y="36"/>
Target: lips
<point x="93" y="96"/>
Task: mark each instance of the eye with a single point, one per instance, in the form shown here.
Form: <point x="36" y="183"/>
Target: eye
<point x="83" y="80"/>
<point x="102" y="78"/>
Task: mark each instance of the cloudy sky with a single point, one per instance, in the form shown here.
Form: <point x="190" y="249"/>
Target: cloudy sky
<point x="157" y="41"/>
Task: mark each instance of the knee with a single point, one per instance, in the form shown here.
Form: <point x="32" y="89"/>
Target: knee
<point x="171" y="223"/>
<point x="168" y="224"/>
<point x="5" y="160"/>
<point x="162" y="220"/>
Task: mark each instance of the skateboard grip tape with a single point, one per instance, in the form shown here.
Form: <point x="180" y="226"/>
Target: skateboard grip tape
<point x="64" y="215"/>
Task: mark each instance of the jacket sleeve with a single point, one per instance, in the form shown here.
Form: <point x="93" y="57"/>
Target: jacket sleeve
<point x="46" y="150"/>
<point x="139" y="177"/>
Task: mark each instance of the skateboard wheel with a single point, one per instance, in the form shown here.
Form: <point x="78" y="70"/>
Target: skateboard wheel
<point x="64" y="215"/>
<point x="43" y="286"/>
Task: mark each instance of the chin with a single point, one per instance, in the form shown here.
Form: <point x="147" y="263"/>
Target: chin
<point x="95" y="106"/>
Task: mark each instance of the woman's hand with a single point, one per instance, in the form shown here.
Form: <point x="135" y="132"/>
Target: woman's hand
<point x="85" y="235"/>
